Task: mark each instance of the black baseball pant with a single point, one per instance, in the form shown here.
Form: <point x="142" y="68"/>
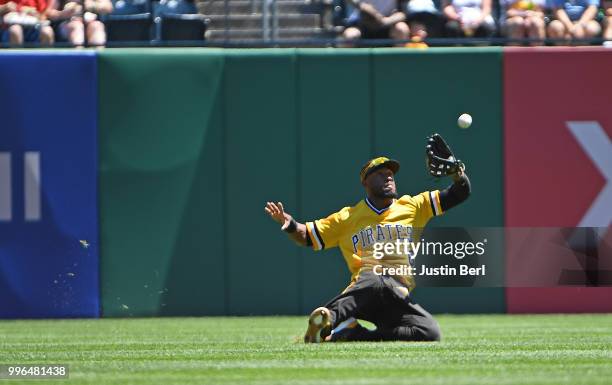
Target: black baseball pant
<point x="375" y="298"/>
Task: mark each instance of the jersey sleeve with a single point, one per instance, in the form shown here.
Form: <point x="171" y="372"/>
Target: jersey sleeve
<point x="325" y="233"/>
<point x="427" y="206"/>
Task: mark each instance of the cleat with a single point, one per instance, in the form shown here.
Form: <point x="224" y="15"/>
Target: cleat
<point x="347" y="331"/>
<point x="350" y="323"/>
<point x="319" y="321"/>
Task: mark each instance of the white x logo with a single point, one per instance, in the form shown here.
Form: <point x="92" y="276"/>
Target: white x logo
<point x="596" y="144"/>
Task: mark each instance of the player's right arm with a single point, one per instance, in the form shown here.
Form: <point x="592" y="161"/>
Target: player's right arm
<point x="295" y="230"/>
<point x="321" y="234"/>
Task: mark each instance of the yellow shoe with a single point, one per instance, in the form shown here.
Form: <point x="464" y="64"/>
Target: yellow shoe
<point x="320" y="320"/>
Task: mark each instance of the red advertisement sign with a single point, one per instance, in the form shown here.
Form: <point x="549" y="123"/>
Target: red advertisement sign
<point x="558" y="163"/>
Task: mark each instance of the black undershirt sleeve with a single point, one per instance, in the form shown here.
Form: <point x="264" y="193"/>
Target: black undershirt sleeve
<point x="456" y="193"/>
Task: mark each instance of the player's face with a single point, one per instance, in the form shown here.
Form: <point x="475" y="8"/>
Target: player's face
<point x="381" y="184"/>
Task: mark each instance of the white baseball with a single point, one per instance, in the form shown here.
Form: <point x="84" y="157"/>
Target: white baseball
<point x="464" y="121"/>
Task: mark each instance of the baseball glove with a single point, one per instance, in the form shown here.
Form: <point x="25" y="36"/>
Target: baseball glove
<point x="440" y="158"/>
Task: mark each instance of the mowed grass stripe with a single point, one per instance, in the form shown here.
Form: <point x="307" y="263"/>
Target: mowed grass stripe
<point x="487" y="349"/>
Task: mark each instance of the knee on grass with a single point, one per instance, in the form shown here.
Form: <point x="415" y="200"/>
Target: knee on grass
<point x="431" y="333"/>
<point x="420" y="333"/>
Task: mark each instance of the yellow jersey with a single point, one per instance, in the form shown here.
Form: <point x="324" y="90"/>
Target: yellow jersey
<point x="356" y="230"/>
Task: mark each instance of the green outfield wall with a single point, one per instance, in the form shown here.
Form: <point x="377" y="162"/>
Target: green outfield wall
<point x="194" y="142"/>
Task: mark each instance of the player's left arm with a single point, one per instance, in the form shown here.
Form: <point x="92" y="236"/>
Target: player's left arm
<point x="457" y="192"/>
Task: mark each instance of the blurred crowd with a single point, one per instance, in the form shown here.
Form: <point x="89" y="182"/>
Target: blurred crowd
<point x="48" y="21"/>
<point x="80" y="23"/>
<point x="408" y="22"/>
<point x="520" y="22"/>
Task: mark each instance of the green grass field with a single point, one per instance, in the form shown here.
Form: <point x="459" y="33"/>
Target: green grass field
<point x="491" y="349"/>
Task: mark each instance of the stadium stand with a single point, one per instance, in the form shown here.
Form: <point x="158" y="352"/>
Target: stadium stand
<point x="295" y="23"/>
<point x="130" y="21"/>
<point x="178" y="20"/>
<point x="245" y="20"/>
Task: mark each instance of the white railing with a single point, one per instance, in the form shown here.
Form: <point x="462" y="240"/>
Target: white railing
<point x="269" y="20"/>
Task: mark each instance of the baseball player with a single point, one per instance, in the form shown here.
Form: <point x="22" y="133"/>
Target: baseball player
<point x="381" y="217"/>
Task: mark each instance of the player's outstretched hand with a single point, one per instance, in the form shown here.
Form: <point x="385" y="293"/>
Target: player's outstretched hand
<point x="440" y="158"/>
<point x="277" y="212"/>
